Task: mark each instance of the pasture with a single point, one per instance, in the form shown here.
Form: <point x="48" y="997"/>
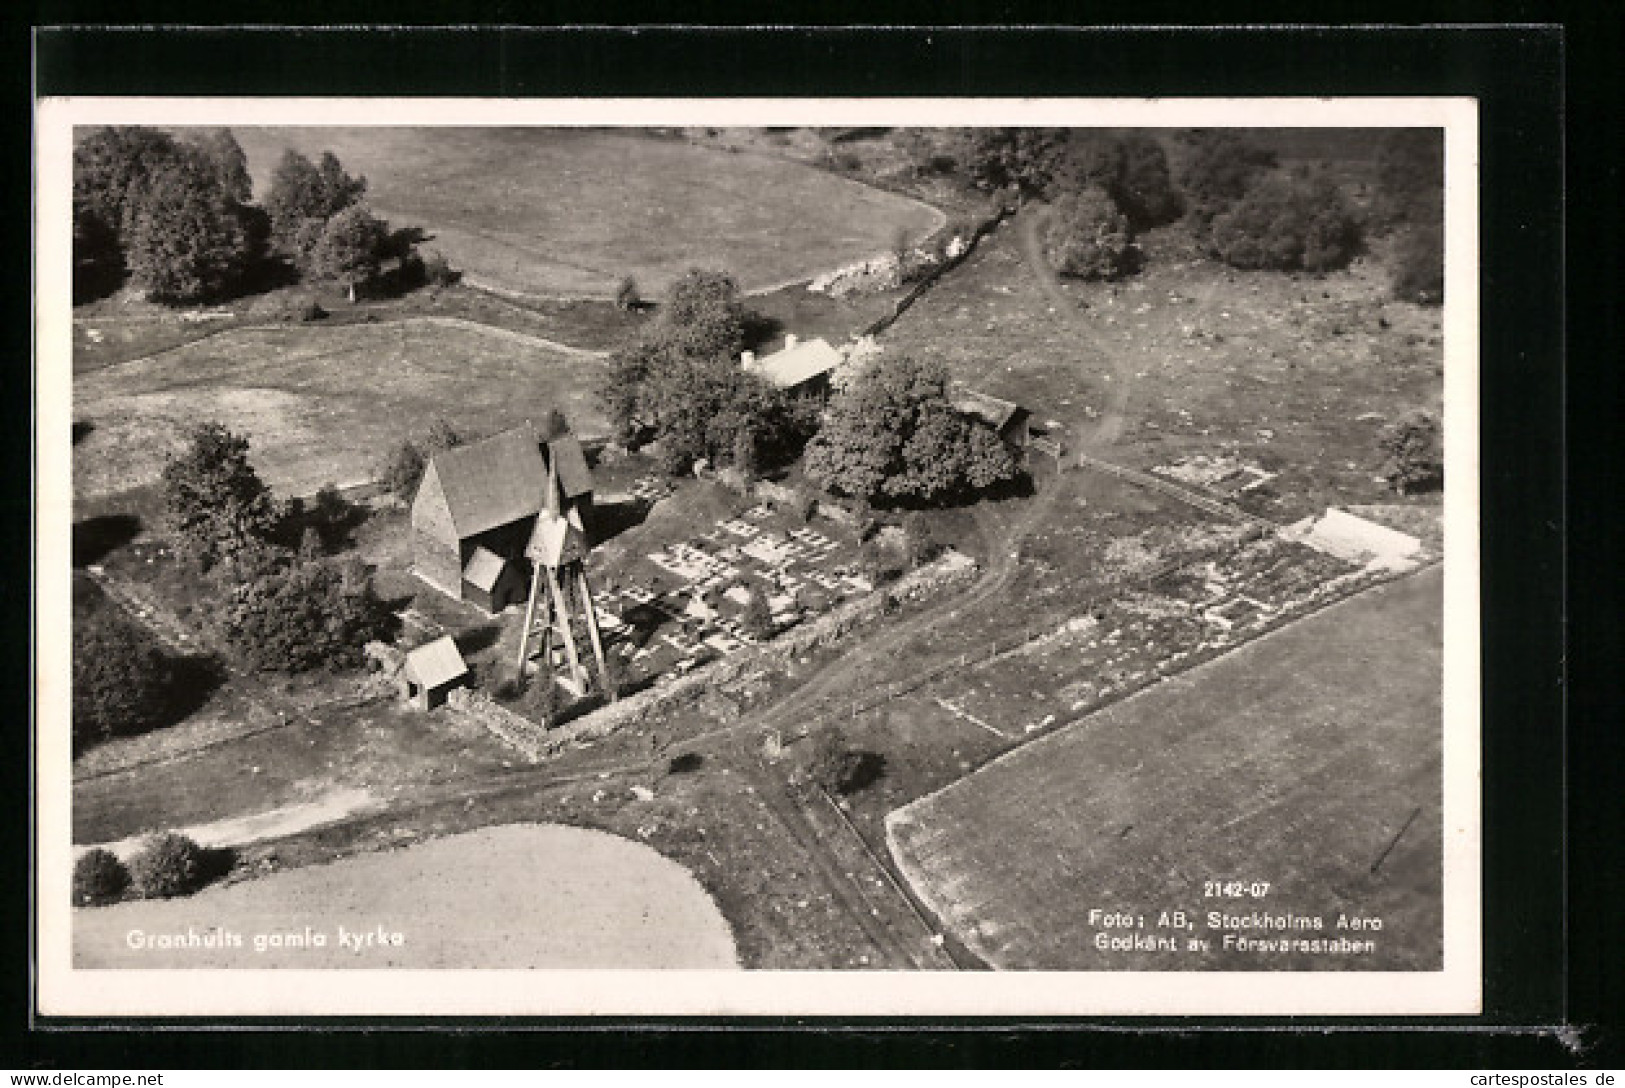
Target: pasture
<point x="513" y="897"/>
<point x="1295" y="374"/>
<point x="320" y="405"/>
<point x="1308" y="759"/>
<point x="549" y="211"/>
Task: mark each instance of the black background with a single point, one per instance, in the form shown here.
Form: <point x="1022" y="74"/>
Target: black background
<point x="1552" y="899"/>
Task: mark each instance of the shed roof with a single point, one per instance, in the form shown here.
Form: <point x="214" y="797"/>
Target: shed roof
<point x="436" y="663"/>
<point x="556" y="540"/>
<point x="994" y="411"/>
<point x="484" y="568"/>
<point x="795" y="365"/>
<point x="492" y="482"/>
<point x="575" y="478"/>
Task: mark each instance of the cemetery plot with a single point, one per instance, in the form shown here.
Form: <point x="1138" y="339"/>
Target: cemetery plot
<point x="1308" y="759"/>
<point x="672" y="608"/>
<point x="1148" y="630"/>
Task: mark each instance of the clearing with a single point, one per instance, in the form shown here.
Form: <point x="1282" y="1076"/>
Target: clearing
<point x="548" y="211"/>
<point x="519" y="896"/>
<point x="1309" y="759"/>
<point x="320" y="404"/>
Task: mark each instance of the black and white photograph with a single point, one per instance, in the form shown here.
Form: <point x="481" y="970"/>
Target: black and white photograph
<point x="789" y="557"/>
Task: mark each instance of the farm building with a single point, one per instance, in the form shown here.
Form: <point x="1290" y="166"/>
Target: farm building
<point x="1010" y="420"/>
<point x="431" y="671"/>
<point x="797" y="367"/>
<point x="476" y="508"/>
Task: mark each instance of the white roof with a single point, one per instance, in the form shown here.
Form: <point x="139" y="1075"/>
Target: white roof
<point x="435" y="663"/>
<point x="794" y="365"/>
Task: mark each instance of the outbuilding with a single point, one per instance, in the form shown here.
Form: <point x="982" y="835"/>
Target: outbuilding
<point x="1009" y="420"/>
<point x="801" y="367"/>
<point x="493" y="582"/>
<point x="431" y="671"/>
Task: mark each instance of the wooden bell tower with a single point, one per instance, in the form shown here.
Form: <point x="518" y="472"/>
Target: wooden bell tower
<point x="558" y="555"/>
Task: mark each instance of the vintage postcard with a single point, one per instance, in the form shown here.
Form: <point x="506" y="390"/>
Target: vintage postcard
<point x="725" y="557"/>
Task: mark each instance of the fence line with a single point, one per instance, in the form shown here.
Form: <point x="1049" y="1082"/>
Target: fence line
<point x="1212" y="504"/>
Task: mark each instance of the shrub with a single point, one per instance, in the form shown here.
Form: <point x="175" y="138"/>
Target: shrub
<point x="166" y="866"/>
<point x="438" y="272"/>
<point x="924" y="544"/>
<point x="835" y="767"/>
<point x="1413" y="452"/>
<point x="98" y="877"/>
<point x="402" y="468"/>
<point x="626" y="294"/>
<point x="1288" y="222"/>
<point x="1088" y="238"/>
<point x="312" y="312"/>
<point x="757" y="620"/>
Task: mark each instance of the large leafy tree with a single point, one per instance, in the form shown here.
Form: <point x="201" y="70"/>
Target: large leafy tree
<point x="183" y="239"/>
<point x="1220" y="167"/>
<point x="1023" y="158"/>
<point x="1288" y="221"/>
<point x="110" y="166"/>
<point x="893" y="436"/>
<point x="216" y="503"/>
<point x="349" y="249"/>
<point x="702" y="314"/>
<point x="230" y="163"/>
<point x="1088" y="238"/>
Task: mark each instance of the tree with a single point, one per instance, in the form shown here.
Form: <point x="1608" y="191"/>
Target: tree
<point x="303" y="197"/>
<point x="1413" y="452"/>
<point x="110" y="166"/>
<point x="893" y="435"/>
<point x="757" y="619"/>
<point x="348" y="250"/>
<point x="1289" y="222"/>
<point x="302" y="615"/>
<point x="1023" y="158"/>
<point x="183" y="239"/>
<point x="122" y="681"/>
<point x="1143" y="189"/>
<point x="702" y="314"/>
<point x="230" y="164"/>
<point x="1220" y="167"/>
<point x="99" y="877"/>
<point x="1088" y="238"/>
<point x="216" y="502"/>
<point x="920" y="534"/>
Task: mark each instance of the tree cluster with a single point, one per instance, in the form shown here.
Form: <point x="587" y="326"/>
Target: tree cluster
<point x="173" y="214"/>
<point x="678" y="383"/>
<point x="305" y="613"/>
<point x="281" y="609"/>
<point x="1295" y="221"/>
<point x="892" y="436"/>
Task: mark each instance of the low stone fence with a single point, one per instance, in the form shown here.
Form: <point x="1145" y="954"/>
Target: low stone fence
<point x="516" y="731"/>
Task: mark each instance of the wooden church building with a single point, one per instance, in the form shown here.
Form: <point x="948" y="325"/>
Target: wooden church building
<point x="476" y="510"/>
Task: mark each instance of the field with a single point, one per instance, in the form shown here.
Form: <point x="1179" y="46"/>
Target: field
<point x="1308" y="759"/>
<point x="320" y="405"/>
<point x="569" y="212"/>
<point x="515" y="897"/>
